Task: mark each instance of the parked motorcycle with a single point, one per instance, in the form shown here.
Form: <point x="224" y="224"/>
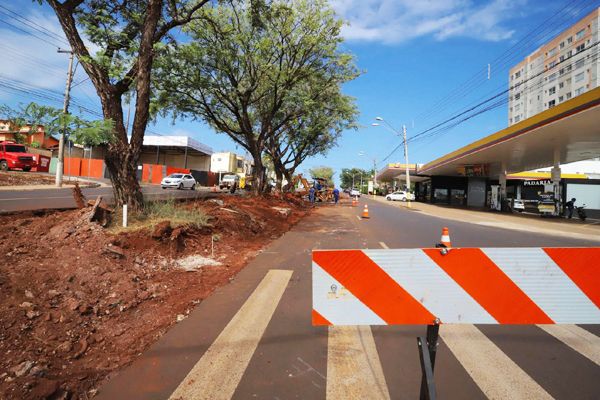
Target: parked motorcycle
<point x="581" y="212"/>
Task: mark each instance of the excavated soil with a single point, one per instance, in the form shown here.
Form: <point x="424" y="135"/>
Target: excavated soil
<point x="77" y="302"/>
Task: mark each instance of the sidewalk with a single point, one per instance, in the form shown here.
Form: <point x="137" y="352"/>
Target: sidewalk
<point x="574" y="228"/>
<point x="67" y="184"/>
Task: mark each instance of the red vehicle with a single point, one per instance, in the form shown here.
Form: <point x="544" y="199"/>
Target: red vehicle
<point x="15" y="156"/>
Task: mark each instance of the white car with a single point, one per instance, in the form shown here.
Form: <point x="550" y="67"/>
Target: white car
<point x="518" y="205"/>
<point x="401" y="196"/>
<point x="178" y="181"/>
<point x="354" y="193"/>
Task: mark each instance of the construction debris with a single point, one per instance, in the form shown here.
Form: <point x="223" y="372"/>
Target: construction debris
<point x="83" y="302"/>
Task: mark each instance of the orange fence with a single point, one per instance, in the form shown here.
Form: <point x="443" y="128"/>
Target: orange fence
<point x="92" y="168"/>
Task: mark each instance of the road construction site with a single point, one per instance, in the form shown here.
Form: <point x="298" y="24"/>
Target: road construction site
<point x="79" y="301"/>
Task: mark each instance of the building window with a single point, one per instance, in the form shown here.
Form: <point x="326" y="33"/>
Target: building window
<point x="562" y="58"/>
<point x="517" y="96"/>
<point x="580" y="34"/>
<point x="510" y="120"/>
<point x="517" y="74"/>
<point x="561" y="85"/>
<point x="579" y="77"/>
<point x="552" y="64"/>
<point x="569" y="53"/>
<point x="562" y="45"/>
<point x="517" y="107"/>
<point x="568" y="95"/>
<point x="552" y="52"/>
<point x="517" y="118"/>
<point x="580" y="48"/>
<point x="552" y="77"/>
<point x="579" y="63"/>
<point x="552" y="90"/>
<point x="560" y="99"/>
<point x="570" y="40"/>
<point x="551" y="103"/>
<point x="578" y="91"/>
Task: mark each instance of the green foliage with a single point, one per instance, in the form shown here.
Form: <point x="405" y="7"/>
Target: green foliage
<point x="35" y="145"/>
<point x="55" y="121"/>
<point x="347" y="174"/>
<point x="322" y="172"/>
<point x="177" y="213"/>
<point x="269" y="83"/>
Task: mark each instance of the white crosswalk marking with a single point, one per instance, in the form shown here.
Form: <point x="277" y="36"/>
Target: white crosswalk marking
<point x="353" y="367"/>
<point x="580" y="340"/>
<point x="220" y="369"/>
<point x="494" y="372"/>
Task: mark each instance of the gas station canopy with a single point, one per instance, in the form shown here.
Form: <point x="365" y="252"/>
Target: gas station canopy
<point x="566" y="133"/>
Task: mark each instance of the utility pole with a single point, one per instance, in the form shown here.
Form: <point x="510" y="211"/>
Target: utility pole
<point x="374" y="176"/>
<point x="61" y="143"/>
<point x="407" y="167"/>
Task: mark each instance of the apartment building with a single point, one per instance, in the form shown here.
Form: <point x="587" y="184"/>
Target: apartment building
<point x="565" y="67"/>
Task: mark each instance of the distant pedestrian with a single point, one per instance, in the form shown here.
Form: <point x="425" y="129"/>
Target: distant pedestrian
<point x="570" y="206"/>
<point x="311" y="195"/>
<point x="336" y="195"/>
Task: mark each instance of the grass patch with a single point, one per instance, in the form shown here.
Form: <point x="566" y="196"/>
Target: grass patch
<point x="158" y="211"/>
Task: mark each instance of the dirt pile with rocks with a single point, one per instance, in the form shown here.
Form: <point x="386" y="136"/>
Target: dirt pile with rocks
<point x="77" y="302"/>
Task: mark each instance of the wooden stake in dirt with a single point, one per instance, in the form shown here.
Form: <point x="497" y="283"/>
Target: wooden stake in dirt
<point x="124" y="215"/>
<point x="78" y="196"/>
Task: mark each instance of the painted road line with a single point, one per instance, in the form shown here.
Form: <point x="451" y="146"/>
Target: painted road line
<point x="585" y="343"/>
<point x="353" y="367"/>
<point x="494" y="372"/>
<point x="383" y="245"/>
<point x="218" y="373"/>
<point x="358" y="218"/>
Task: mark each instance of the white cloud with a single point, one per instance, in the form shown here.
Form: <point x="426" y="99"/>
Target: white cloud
<point x="396" y="21"/>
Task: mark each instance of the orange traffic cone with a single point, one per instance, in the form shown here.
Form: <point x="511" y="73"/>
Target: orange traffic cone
<point x="365" y="213"/>
<point x="354" y="202"/>
<point x="446" y="238"/>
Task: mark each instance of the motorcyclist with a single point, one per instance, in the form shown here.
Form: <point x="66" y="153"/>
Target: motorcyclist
<point x="570" y="206"/>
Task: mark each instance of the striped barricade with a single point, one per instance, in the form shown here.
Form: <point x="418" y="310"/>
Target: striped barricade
<point x="467" y="285"/>
<point x="470" y="285"/>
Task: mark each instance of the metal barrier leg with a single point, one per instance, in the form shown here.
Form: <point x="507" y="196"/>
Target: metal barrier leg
<point x="427" y="351"/>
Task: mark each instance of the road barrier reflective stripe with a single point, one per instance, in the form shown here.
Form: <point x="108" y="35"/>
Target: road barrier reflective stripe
<point x="372" y="286"/>
<point x="578" y="267"/>
<point x="479" y="286"/>
<point x="420" y="277"/>
<point x="492" y="288"/>
<point x="546" y="284"/>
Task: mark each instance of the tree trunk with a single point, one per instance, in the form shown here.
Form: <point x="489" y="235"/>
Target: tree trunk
<point x="289" y="176"/>
<point x="258" y="173"/>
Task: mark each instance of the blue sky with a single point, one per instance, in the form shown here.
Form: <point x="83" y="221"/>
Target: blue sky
<point x="413" y="53"/>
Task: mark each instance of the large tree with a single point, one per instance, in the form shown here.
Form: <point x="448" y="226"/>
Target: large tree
<point x="127" y="34"/>
<point x="326" y="113"/>
<point x="351" y="177"/>
<point x="322" y="172"/>
<point x="246" y="75"/>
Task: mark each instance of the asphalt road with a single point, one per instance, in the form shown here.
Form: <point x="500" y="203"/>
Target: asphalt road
<point x="20" y="200"/>
<point x="252" y="340"/>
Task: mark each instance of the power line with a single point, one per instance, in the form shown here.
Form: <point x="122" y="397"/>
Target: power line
<point x="29" y="33"/>
<point x="32" y="24"/>
<point x="441" y="128"/>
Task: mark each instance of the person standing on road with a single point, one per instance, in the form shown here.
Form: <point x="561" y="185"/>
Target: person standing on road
<point x="570" y="206"/>
<point x="311" y="195"/>
<point x="336" y="195"/>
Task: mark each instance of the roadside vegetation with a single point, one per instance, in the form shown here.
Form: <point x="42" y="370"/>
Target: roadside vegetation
<point x="154" y="212"/>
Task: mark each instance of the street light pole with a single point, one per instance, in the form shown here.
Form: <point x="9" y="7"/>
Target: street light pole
<point x="407" y="167"/>
<point x="61" y="142"/>
<point x="388" y="126"/>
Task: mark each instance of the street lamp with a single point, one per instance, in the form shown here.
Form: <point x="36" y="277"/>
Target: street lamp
<point x="388" y="126"/>
<point x="362" y="153"/>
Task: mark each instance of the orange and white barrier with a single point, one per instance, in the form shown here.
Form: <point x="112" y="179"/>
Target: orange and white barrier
<point x="467" y="285"/>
